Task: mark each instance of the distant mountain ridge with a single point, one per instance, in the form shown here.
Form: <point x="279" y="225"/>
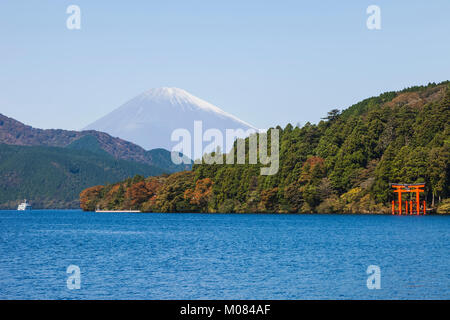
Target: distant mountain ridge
<point x="150" y="118"/>
<point x="52" y="177"/>
<point x="14" y="132"/>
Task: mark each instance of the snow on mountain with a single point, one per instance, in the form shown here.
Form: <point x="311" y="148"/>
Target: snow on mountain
<point x="150" y="118"/>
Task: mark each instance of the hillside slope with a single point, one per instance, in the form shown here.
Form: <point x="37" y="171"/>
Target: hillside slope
<point x="13" y="132"/>
<point x="53" y="177"/>
<point x="343" y="164"/>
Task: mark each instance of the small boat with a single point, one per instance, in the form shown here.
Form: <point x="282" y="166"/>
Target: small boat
<point x="24" y="206"/>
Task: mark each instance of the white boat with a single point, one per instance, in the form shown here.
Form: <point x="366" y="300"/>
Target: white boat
<point x="24" y="206"/>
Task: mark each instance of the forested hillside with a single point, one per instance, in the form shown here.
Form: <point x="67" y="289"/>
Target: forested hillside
<point x="13" y="132"/>
<point x="343" y="164"/>
<point x="52" y="177"/>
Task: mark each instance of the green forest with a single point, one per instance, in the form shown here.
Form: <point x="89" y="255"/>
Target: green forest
<point x="53" y="177"/>
<point x="343" y="164"/>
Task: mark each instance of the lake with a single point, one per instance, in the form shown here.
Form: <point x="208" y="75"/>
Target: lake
<point x="222" y="256"/>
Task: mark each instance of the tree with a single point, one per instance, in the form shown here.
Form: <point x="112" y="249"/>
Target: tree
<point x="269" y="200"/>
<point x="89" y="198"/>
<point x="438" y="170"/>
<point x="201" y="194"/>
<point x="332" y="115"/>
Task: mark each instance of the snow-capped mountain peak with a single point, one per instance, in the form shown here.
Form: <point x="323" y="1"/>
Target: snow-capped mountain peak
<point x="150" y="118"/>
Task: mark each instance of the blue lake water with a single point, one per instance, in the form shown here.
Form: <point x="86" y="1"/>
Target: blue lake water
<point x="222" y="256"/>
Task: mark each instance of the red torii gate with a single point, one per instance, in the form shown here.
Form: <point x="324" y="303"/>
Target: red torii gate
<point x="402" y="188"/>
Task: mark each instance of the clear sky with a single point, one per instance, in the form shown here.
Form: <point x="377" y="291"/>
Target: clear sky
<point x="267" y="62"/>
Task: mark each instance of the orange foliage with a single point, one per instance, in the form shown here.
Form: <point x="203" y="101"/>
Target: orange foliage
<point x="87" y="196"/>
<point x="268" y="199"/>
<point x="201" y="193"/>
<point x="314" y="167"/>
<point x="142" y="191"/>
<point x="114" y="190"/>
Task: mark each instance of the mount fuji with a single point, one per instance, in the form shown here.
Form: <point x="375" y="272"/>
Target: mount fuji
<point x="150" y="118"/>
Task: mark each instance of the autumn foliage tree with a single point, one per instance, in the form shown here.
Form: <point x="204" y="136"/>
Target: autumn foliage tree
<point x="141" y="192"/>
<point x="89" y="198"/>
<point x="200" y="195"/>
<point x="268" y="200"/>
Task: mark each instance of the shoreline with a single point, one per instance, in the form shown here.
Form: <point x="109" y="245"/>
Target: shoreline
<point x="223" y="213"/>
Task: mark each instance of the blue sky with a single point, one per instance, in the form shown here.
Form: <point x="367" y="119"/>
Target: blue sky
<point x="267" y="62"/>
